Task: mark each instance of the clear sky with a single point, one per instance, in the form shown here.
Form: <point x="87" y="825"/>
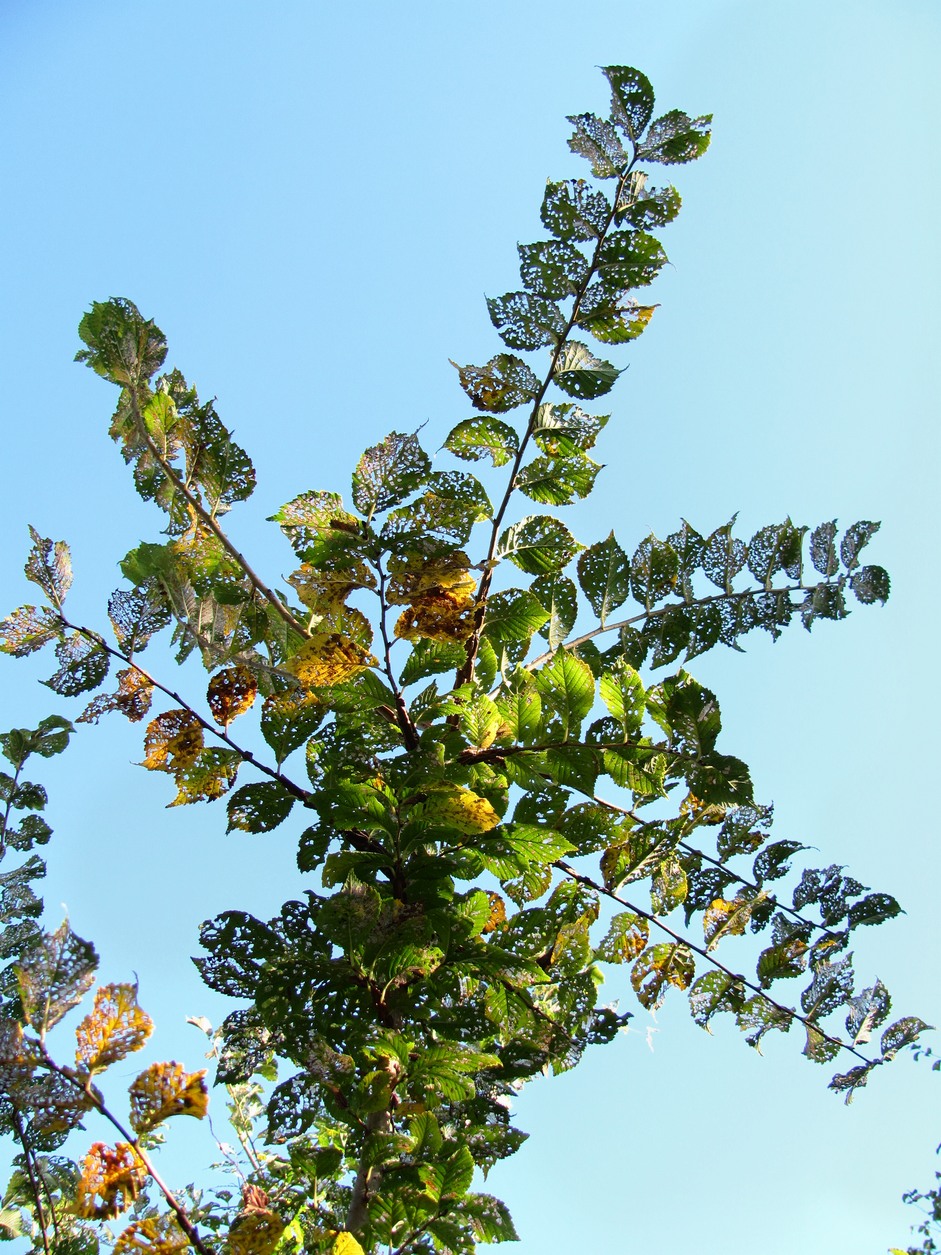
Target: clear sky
<point x="312" y="201"/>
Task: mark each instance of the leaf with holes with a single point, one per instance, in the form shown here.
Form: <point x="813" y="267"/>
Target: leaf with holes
<point x="164" y="1090"/>
<point x="115" y="1027"/>
<point x="579" y="373"/>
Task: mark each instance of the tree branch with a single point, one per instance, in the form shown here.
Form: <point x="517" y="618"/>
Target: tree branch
<point x="208" y="519"/>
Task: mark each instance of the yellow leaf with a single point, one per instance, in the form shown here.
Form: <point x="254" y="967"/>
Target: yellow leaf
<point x="460" y="809"/>
<point x="110" y="1182"/>
<point x="210" y="776"/>
<point x="115" y="1027"/>
<point x="346" y="1244"/>
<point x="157" y="1235"/>
<point x="172" y="741"/>
<point x="255" y="1232"/>
<point x="231" y="692"/>
<point x="497" y="916"/>
<point x="164" y="1090"/>
<point x="328" y="658"/>
<point x="325" y="591"/>
<point x="439" y="595"/>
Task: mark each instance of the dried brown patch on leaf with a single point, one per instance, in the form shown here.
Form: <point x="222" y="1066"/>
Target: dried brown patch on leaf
<point x="439" y="594"/>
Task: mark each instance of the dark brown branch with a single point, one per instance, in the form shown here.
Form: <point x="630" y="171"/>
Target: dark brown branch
<point x="33" y="1183"/>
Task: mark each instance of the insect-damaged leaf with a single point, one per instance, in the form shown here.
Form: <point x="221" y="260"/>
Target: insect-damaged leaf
<point x="133" y="698"/>
<point x="83" y="665"/>
<point x="579" y="373"/>
<point x="573" y="210"/>
<point x="676" y="138"/>
<point x="486" y="437"/>
<point x="538" y="545"/>
<point x="525" y="321"/>
<point x="255" y="1231"/>
<point x="115" y="1027"/>
<point x="502" y="384"/>
<point x="110" y="1181"/>
<point x="456" y="809"/>
<point x="346" y="1244"/>
<point x="659" y="967"/>
<point x="259" y="807"/>
<point x="727" y="917"/>
<point x="388" y="473"/>
<point x="604" y="574"/>
<point x="625" y="939"/>
<point x="632" y="99"/>
<point x="164" y="1090"/>
<point x="28" y="629"/>
<point x="54" y="976"/>
<point x="173" y="741"/>
<point x="50" y="566"/>
<point x="598" y="142"/>
<point x="231" y="692"/>
<point x="328" y="658"/>
<point x="568" y="687"/>
<point x="155" y="1235"/>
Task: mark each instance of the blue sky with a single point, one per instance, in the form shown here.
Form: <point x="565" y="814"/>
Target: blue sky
<point x="312" y="201"/>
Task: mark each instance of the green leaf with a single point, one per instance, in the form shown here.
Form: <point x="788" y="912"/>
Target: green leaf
<point x="561" y="430"/>
<point x="823" y="550"/>
<point x="874" y="908"/>
<point x="513" y="615"/>
<point x="597" y="141"/>
<point x="54" y="976"/>
<point x="658" y="968"/>
<point x="622" y="691"/>
<point x="258" y="807"/>
<point x="629" y="259"/>
<point x="579" y="373"/>
<point x="625" y="939"/>
<point x="502" y="384"/>
<point x="486" y="437"/>
<point x="654" y="571"/>
<point x="83" y="666"/>
<point x="538" y="545"/>
<point x="388" y="473"/>
<point x="870" y="584"/>
<point x="525" y="321"/>
<point x="568" y="687"/>
<point x="560" y="597"/>
<point x="632" y="99"/>
<point x="521" y="710"/>
<point x="558" y="481"/>
<point x="776" y="548"/>
<point x="854" y="539"/>
<point x="723" y="557"/>
<point x="676" y="138"/>
<point x="511" y="849"/>
<point x="727" y="918"/>
<point x="604" y="574"/>
<point x="573" y="210"/>
<point x="668" y="887"/>
<point x="122" y="347"/>
<point x="441" y="517"/>
<point x="714" y="992"/>
<point x="612" y="318"/>
<point x="431" y="658"/>
<point x="552" y="269"/>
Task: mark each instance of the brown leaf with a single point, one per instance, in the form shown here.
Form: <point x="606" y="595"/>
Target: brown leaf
<point x="173" y="741"/>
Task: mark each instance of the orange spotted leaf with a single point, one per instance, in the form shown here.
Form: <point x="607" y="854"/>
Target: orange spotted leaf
<point x="497" y="917"/>
<point x="115" y="1027"/>
<point x="110" y="1182"/>
<point x="157" y="1235"/>
<point x="164" y="1090"/>
<point x="328" y="658"/>
<point x="173" y="741"/>
<point x="133" y="698"/>
<point x="231" y="693"/>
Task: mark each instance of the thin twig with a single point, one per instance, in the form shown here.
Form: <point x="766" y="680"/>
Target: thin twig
<point x="570" y="871"/>
<point x="85" y="1086"/>
<point x="466" y="672"/>
<point x="403" y="718"/>
<point x="34" y="1184"/>
<point x="246" y="755"/>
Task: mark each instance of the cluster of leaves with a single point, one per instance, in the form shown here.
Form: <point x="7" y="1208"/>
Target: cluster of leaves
<point x="477" y="805"/>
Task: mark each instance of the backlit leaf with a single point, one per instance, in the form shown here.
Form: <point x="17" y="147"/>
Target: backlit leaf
<point x="28" y="629"/>
<point x="346" y="1244"/>
<point x="502" y="384"/>
<point x="164" y="1090"/>
<point x="625" y="939"/>
<point x="50" y="566"/>
<point x="538" y="545"/>
<point x="579" y="373"/>
<point x="486" y="437"/>
<point x="574" y="210"/>
<point x="54" y="976"/>
<point x="632" y="99"/>
<point x="258" y="807"/>
<point x="525" y="321"/>
<point x="676" y="138"/>
<point x="173" y="741"/>
<point x="604" y="574"/>
<point x="328" y="658"/>
<point x="83" y="664"/>
<point x="460" y="810"/>
<point x="133" y="698"/>
<point x="155" y="1235"/>
<point x="629" y="259"/>
<point x="659" y="967"/>
<point x="388" y="473"/>
<point x="727" y="917"/>
<point x="255" y="1233"/>
<point x="110" y="1181"/>
<point x="598" y="141"/>
<point x="552" y="269"/>
<point x="568" y="687"/>
<point x="208" y="777"/>
<point x="114" y="1028"/>
<point x="559" y="596"/>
